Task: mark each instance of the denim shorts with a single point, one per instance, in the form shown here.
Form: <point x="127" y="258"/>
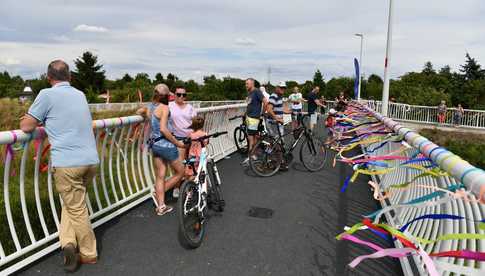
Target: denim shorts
<point x="166" y="153"/>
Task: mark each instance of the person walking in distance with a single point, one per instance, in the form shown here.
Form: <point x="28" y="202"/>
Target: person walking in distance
<point x="458" y="116"/>
<point x="442" y="112"/>
<point x="64" y="112"/>
<point x="296" y="100"/>
<point x="256" y="104"/>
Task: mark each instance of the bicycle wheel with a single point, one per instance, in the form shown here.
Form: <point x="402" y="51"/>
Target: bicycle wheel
<point x="266" y="156"/>
<point x="215" y="199"/>
<point x="241" y="140"/>
<point x="313" y="154"/>
<point x="191" y="225"/>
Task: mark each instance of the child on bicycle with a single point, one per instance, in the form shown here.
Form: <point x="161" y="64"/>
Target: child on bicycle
<point x="195" y="147"/>
<point x="330" y="123"/>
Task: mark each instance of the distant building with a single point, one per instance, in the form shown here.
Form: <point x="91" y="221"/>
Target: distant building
<point x="26" y="95"/>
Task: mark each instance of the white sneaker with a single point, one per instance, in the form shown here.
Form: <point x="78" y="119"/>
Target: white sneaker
<point x="176" y="192"/>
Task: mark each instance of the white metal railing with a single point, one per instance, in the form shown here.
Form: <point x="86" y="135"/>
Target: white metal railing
<point x="30" y="206"/>
<point x="429" y="114"/>
<point x="132" y="106"/>
<point x="460" y="171"/>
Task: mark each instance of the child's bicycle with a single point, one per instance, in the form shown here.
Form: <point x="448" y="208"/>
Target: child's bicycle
<point x="197" y="195"/>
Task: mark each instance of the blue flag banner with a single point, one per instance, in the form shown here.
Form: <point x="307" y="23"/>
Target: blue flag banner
<point x="357" y="80"/>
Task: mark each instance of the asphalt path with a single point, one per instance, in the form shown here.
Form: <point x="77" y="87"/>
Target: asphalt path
<point x="299" y="239"/>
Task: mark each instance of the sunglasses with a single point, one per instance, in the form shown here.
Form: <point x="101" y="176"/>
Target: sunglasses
<point x="181" y="95"/>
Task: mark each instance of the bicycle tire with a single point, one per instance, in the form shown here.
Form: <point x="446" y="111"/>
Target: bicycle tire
<point x="241" y="140"/>
<point x="268" y="155"/>
<point x="217" y="202"/>
<point x="186" y="239"/>
<point x="314" y="147"/>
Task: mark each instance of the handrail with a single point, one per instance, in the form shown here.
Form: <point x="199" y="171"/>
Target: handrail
<point x="461" y="172"/>
<point x="30" y="207"/>
<point x="473" y="178"/>
<point x="470" y="118"/>
<point x="131" y="106"/>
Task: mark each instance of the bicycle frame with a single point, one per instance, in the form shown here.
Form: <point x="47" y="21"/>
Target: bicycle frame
<point x="201" y="181"/>
<point x="304" y="132"/>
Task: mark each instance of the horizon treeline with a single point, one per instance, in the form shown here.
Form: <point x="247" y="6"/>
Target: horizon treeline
<point x="427" y="87"/>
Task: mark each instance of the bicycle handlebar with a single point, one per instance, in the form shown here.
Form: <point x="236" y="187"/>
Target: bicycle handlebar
<point x="236" y="117"/>
<point x="188" y="140"/>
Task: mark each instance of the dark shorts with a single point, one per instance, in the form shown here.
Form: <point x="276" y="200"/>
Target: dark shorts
<point x="296" y="114"/>
<point x="166" y="153"/>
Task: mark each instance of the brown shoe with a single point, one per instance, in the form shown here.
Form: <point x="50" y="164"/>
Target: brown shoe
<point x="71" y="258"/>
<point x="85" y="260"/>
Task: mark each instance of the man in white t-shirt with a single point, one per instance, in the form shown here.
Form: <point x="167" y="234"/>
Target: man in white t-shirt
<point x="296" y="100"/>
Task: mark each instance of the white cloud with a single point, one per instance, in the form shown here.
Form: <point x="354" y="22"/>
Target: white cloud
<point x="224" y="36"/>
<point x="7" y="61"/>
<point x="245" y="41"/>
<point x="90" y="29"/>
<point x="62" y="38"/>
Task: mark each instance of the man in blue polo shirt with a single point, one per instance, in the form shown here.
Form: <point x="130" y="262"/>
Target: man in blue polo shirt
<point x="64" y="112"/>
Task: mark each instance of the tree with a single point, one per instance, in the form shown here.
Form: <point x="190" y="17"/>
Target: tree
<point x="446" y="71"/>
<point x="375" y="78"/>
<point x="428" y="69"/>
<point x="39" y="84"/>
<point x="471" y="69"/>
<point x="88" y="73"/>
<point x="234" y="89"/>
<point x="10" y="86"/>
<point x="142" y="77"/>
<point x="170" y="81"/>
<point x="319" y="81"/>
<point x="159" y="78"/>
<point x="127" y="78"/>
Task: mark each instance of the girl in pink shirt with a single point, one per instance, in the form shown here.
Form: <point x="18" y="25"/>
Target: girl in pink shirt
<point x="195" y="147"/>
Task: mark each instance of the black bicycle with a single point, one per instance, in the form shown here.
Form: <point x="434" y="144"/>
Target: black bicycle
<point x="270" y="153"/>
<point x="240" y="135"/>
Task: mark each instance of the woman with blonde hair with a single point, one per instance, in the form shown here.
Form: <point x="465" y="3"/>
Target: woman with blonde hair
<point x="164" y="149"/>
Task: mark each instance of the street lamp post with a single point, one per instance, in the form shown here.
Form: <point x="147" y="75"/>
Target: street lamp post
<point x="385" y="90"/>
<point x="361" y="64"/>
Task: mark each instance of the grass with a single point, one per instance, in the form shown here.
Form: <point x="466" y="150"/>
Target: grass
<point x="11" y="111"/>
<point x="468" y="146"/>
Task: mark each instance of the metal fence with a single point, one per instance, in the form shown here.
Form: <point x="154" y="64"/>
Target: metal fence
<point x="460" y="171"/>
<point x="30" y="207"/>
<point x="132" y="106"/>
<point x="429" y="114"/>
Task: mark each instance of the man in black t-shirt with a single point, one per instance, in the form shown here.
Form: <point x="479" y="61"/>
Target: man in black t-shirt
<point x="256" y="105"/>
<point x="313" y="103"/>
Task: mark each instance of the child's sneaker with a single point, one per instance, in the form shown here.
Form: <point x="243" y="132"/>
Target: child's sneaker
<point x="176" y="192"/>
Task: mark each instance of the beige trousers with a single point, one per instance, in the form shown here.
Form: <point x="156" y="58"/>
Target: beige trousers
<point x="75" y="225"/>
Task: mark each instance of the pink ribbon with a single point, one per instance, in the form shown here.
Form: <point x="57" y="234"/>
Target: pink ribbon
<point x="390" y="252"/>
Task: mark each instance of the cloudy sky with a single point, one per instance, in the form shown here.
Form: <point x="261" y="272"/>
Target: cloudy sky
<point x="193" y="38"/>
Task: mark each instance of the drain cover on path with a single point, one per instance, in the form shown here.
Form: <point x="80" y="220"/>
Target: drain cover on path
<point x="258" y="212"/>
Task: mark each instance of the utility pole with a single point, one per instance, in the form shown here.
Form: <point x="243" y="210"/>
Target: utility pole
<point x="385" y="90"/>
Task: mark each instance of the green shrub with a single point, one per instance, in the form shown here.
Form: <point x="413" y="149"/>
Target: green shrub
<point x="468" y="146"/>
